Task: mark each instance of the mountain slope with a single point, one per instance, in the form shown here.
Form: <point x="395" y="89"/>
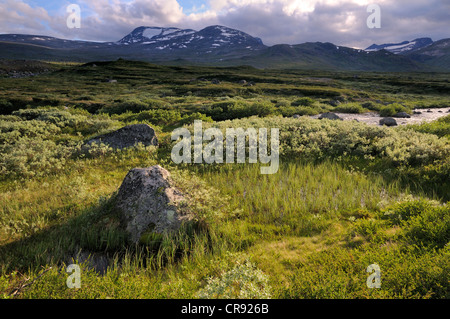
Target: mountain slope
<point x="222" y="46"/>
<point x="436" y="55"/>
<point x="323" y="56"/>
<point x="173" y="41"/>
<point x="403" y="47"/>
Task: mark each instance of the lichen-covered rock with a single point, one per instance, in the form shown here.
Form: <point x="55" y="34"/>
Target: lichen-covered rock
<point x="128" y="136"/>
<point x="149" y="204"/>
<point x="330" y="116"/>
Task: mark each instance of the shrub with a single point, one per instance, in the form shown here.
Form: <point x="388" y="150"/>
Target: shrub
<point x="392" y="109"/>
<point x="30" y="157"/>
<point x="6" y="107"/>
<point x="371" y="106"/>
<point x="238" y="109"/>
<point x="133" y="105"/>
<point x="350" y="108"/>
<point x="429" y="228"/>
<point x="402" y="212"/>
<point x="304" y="101"/>
<point x="440" y="127"/>
<point x="244" y="281"/>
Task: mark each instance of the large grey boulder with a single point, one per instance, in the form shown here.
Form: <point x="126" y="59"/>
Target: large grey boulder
<point x="149" y="204"/>
<point x="128" y="136"/>
<point x="330" y="116"/>
<point x="388" y="121"/>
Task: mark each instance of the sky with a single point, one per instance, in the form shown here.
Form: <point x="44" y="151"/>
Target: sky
<point x="342" y="22"/>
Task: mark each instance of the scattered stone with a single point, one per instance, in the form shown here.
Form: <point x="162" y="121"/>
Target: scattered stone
<point x="215" y="81"/>
<point x="149" y="205"/>
<point x="388" y="121"/>
<point x="429" y="111"/>
<point x="242" y="82"/>
<point x="128" y="136"/>
<point x="296" y="116"/>
<point x="417" y="112"/>
<point x="334" y="102"/>
<point x="402" y="115"/>
<point x="330" y="116"/>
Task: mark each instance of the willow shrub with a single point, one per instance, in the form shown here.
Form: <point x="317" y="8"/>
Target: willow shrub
<point x="319" y="139"/>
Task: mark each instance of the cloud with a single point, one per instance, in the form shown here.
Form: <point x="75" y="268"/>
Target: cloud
<point x="342" y="22"/>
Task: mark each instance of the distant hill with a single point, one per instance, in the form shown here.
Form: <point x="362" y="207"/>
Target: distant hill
<point x="403" y="47"/>
<point x="436" y="55"/>
<point x="325" y="56"/>
<point x="223" y="46"/>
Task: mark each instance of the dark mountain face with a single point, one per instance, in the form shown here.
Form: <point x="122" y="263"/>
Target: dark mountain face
<point x="403" y="47"/>
<point x="49" y="42"/>
<point x="214" y="39"/>
<point x="436" y="55"/>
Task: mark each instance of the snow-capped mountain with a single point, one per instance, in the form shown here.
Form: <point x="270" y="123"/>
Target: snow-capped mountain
<point x="223" y="46"/>
<point x="207" y="40"/>
<point x="151" y="35"/>
<point x="402" y="48"/>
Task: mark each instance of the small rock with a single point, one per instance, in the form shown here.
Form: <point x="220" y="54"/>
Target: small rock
<point x="296" y="116"/>
<point x="334" y="102"/>
<point x="128" y="136"/>
<point x="242" y="82"/>
<point x="402" y="115"/>
<point x="388" y="121"/>
<point x="330" y="116"/>
<point x="417" y="112"/>
<point x="215" y="81"/>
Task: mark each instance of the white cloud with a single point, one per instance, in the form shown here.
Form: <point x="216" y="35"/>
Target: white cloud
<point x="275" y="21"/>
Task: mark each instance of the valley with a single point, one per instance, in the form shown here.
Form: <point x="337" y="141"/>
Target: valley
<point x="347" y="194"/>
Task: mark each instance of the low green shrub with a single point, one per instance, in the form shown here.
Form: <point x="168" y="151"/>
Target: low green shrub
<point x="304" y="101"/>
<point x="355" y="108"/>
<point x="392" y="109"/>
<point x="244" y="281"/>
<point x="440" y="127"/>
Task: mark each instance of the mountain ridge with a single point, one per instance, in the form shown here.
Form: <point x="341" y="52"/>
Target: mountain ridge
<point x="402" y="47"/>
<point x="223" y="46"/>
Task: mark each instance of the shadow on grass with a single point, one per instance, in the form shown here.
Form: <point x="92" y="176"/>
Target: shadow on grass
<point x="98" y="238"/>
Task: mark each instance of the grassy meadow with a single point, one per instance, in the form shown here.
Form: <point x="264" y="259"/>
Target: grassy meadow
<point x="347" y="195"/>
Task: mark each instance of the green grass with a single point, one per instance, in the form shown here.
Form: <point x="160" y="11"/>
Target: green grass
<point x="346" y="195"/>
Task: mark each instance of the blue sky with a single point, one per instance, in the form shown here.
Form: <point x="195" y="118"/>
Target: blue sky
<point x="193" y="5"/>
<point x="342" y="22"/>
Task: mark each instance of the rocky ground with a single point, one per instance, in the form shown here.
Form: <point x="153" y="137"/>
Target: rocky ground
<point x="426" y="115"/>
<point x="21" y="68"/>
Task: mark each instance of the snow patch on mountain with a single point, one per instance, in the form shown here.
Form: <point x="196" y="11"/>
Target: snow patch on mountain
<point x="403" y="47"/>
<point x="151" y="32"/>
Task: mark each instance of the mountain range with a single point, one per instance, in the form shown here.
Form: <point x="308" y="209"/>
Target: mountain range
<point x="223" y="46"/>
